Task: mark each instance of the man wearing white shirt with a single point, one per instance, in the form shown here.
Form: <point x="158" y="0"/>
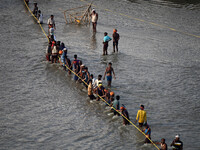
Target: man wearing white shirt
<point x="51" y="22"/>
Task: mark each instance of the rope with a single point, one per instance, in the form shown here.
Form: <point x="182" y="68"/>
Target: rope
<point x="36" y="20"/>
<point x="87" y="85"/>
<point x="114" y="109"/>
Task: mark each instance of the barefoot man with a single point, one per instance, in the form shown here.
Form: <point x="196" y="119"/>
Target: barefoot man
<point x="108" y="72"/>
<point x="115" y="40"/>
<point x="94" y="17"/>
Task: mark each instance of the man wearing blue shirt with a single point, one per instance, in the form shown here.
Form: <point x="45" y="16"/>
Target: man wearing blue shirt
<point x="116" y="105"/>
<point x="105" y="43"/>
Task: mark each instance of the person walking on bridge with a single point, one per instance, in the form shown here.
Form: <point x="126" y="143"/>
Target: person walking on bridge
<point x="125" y="114"/>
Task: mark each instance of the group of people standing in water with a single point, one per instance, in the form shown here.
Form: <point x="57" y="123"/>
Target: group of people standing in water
<point x="106" y="39"/>
<point x="56" y="52"/>
<point x="37" y="13"/>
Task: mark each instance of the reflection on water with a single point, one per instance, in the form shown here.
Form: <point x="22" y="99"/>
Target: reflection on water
<point x="93" y="41"/>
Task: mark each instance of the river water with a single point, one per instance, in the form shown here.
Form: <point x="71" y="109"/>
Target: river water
<point x="41" y="107"/>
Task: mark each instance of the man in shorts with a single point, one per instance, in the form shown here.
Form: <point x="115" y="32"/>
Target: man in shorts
<point x="108" y="72"/>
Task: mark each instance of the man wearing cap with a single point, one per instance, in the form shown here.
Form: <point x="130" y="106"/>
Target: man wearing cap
<point x="125" y="114"/>
<point x="94" y="17"/>
<point x="177" y="144"/>
<point x="141" y="116"/>
<point x="98" y="81"/>
<point x="115" y="40"/>
<point x="105" y="43"/>
<point x="63" y="56"/>
<point x="100" y="91"/>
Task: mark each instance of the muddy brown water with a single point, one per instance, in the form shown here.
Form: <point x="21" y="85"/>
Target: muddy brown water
<point x="42" y="108"/>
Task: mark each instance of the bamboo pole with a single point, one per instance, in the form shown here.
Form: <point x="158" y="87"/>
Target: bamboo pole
<point x="65" y="18"/>
<point x="86" y="10"/>
<point x="74" y="17"/>
<point x="70" y="18"/>
<point x="76" y="8"/>
<point x="89" y="15"/>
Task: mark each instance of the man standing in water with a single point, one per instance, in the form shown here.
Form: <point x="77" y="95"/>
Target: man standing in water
<point x="125" y="114"/>
<point x="108" y="72"/>
<point x="94" y="16"/>
<point x="35" y="10"/>
<point x="141" y="116"/>
<point x="105" y="43"/>
<point x="115" y="40"/>
<point x="90" y="91"/>
<point x="147" y="132"/>
<point x="116" y="105"/>
<point x="177" y="144"/>
<point x="76" y="67"/>
<point x="100" y="92"/>
<point x="51" y="22"/>
<point x="163" y="145"/>
<point x="27" y="1"/>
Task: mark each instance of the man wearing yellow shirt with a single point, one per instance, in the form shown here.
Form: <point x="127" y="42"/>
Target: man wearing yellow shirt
<point x="141" y="116"/>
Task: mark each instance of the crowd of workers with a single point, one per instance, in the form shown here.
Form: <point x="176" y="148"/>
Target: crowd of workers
<point x="56" y="52"/>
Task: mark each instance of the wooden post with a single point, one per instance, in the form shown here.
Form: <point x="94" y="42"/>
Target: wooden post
<point x="65" y="18"/>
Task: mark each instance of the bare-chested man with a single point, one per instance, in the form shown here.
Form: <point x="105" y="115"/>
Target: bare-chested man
<point x="108" y="72"/>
